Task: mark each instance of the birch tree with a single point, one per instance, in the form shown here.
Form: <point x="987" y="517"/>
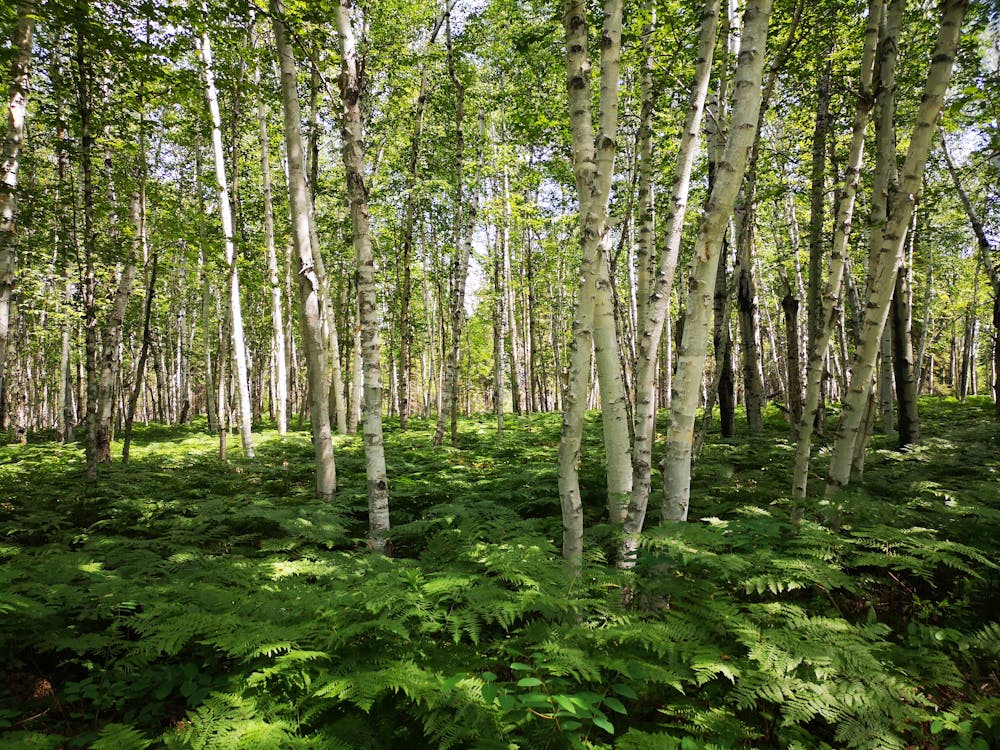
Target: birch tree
<point x="310" y="287"/>
<point x="888" y="254"/>
<point x="657" y="307"/>
<point x="351" y="85"/>
<point x="113" y="339"/>
<point x="17" y="109"/>
<point x="986" y="255"/>
<point x="233" y="277"/>
<point x="693" y="350"/>
<point x="593" y="165"/>
<point x="462" y="250"/>
<point x="819" y="340"/>
<point x="277" y="322"/>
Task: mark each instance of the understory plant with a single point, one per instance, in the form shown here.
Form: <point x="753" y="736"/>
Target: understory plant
<point x="185" y="603"/>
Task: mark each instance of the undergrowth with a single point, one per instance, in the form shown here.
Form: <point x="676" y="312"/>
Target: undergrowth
<point x="183" y="603"/>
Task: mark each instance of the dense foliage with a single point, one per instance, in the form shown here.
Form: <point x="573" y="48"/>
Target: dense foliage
<point x="186" y="603"/>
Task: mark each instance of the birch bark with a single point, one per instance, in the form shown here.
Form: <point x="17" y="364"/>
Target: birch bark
<point x="657" y="307"/>
<point x="893" y="239"/>
<point x="902" y="355"/>
<point x="830" y="302"/>
<point x="274" y="281"/>
<point x="646" y="198"/>
<point x="462" y="241"/>
<point x="310" y="286"/>
<point x="405" y="378"/>
<point x="985" y="256"/>
<point x="708" y="244"/>
<point x="147" y="340"/>
<point x="593" y="163"/>
<point x="233" y="277"/>
<point x="354" y="155"/>
<point x="113" y="340"/>
<point x="17" y="109"/>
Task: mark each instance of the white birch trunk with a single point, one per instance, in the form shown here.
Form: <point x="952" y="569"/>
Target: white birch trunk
<point x="225" y="212"/>
<point x="893" y="240"/>
<point x="462" y="241"/>
<point x="593" y="163"/>
<point x="657" y="307"/>
<point x="17" y="110"/>
<point x="310" y="288"/>
<point x="280" y="376"/>
<point x="614" y="405"/>
<point x="819" y="343"/>
<point x="354" y="154"/>
<point x="113" y="342"/>
<point x="708" y="245"/>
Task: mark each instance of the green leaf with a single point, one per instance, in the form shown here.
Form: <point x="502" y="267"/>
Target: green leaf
<point x="624" y="690"/>
<point x="604" y="724"/>
<point x="520" y="666"/>
<point x="529" y="682"/>
<point x="566" y="703"/>
<point x="535" y="700"/>
<point x="615" y="705"/>
<point x="489" y="691"/>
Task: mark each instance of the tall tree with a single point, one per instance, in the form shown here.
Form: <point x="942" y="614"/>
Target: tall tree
<point x="830" y="312"/>
<point x="17" y="108"/>
<point x="658" y="304"/>
<point x="464" y="218"/>
<point x="274" y="281"/>
<point x="593" y="166"/>
<point x="708" y="245"/>
<point x="351" y="88"/>
<point x="310" y="288"/>
<point x="235" y="304"/>
<point x="986" y="257"/>
<point x="889" y="252"/>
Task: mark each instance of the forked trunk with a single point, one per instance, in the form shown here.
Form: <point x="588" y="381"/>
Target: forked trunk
<point x="593" y="163"/>
<point x="658" y="307"/>
<point x="708" y="245"/>
<point x="893" y="239"/>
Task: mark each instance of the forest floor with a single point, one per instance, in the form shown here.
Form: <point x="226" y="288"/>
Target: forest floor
<point x="186" y="603"/>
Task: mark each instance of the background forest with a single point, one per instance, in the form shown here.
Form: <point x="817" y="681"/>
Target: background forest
<point x="345" y="344"/>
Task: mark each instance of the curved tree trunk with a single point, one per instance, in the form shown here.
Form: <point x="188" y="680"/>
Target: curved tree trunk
<point x="140" y="368"/>
<point x="657" y="310"/>
<point x="831" y="299"/>
<point x="986" y="257"/>
<point x="113" y="341"/>
<point x="708" y="245"/>
<point x="893" y="239"/>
